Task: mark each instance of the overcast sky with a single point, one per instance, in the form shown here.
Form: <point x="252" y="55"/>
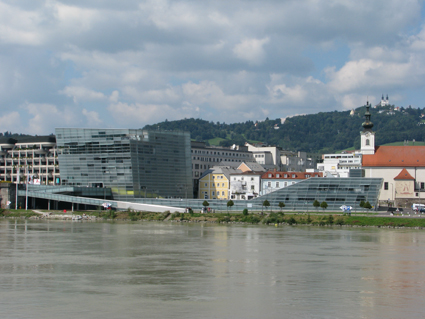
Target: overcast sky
<point x="109" y="63"/>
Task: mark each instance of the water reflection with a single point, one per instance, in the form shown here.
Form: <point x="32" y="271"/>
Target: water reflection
<point x="210" y="271"/>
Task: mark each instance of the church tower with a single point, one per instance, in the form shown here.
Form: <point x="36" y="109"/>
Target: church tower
<point x="367" y="136"/>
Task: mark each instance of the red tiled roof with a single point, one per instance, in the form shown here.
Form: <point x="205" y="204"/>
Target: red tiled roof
<point x="396" y="156"/>
<point x="298" y="175"/>
<point x="404" y="174"/>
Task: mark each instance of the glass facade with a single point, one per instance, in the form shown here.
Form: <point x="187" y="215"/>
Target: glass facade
<point x="133" y="163"/>
<point x="334" y="191"/>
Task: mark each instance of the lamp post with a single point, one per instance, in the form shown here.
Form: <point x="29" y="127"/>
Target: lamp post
<point x="392" y="192"/>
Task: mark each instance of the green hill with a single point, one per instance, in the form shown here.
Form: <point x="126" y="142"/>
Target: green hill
<point x="324" y="132"/>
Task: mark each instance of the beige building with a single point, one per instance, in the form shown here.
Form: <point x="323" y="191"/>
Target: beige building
<point x="35" y="157"/>
<point x="215" y="182"/>
<point x="402" y="168"/>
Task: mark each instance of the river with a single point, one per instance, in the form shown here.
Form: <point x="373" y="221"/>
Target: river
<point x="64" y="269"/>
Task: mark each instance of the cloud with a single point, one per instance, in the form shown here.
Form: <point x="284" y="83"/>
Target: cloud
<point x="92" y="118"/>
<point x="45" y="117"/>
<point x="137" y="62"/>
<point x="11" y="122"/>
<point x="82" y="93"/>
<point x="251" y="50"/>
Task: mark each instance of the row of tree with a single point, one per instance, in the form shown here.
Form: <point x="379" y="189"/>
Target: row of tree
<point x="281" y="205"/>
<point x="324" y="132"/>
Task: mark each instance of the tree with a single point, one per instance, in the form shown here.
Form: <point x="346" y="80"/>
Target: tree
<point x="316" y="204"/>
<point x="324" y="205"/>
<point x="367" y="205"/>
<point x="266" y="203"/>
<point x="281" y="205"/>
<point x="230" y="203"/>
<point x="362" y="204"/>
<point x="205" y="204"/>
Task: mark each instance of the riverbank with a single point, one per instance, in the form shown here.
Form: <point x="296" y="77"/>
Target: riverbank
<point x="271" y="218"/>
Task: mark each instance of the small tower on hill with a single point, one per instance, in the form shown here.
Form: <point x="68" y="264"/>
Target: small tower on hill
<point x="367" y="136"/>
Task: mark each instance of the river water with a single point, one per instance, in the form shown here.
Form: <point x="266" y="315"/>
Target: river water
<point x="64" y="269"/>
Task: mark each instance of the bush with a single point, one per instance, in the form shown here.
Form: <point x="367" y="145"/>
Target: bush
<point x="292" y="221"/>
<point x="245" y="212"/>
<point x="340" y="221"/>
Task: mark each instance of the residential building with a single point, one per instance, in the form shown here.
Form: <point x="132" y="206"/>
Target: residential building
<point x="272" y="181"/>
<point x="134" y="163"/>
<point x="215" y="182"/>
<point x="340" y="165"/>
<point x="34" y="157"/>
<point x="204" y="157"/>
<point x="245" y="185"/>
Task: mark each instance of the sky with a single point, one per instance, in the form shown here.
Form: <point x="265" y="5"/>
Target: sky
<point x="125" y="64"/>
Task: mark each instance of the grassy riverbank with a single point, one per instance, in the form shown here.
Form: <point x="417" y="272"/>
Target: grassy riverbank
<point x="274" y="218"/>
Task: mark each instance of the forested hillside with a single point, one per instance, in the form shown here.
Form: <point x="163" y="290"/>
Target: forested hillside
<point x="324" y="132"/>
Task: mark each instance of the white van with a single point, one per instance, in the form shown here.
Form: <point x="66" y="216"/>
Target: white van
<point x="416" y="207"/>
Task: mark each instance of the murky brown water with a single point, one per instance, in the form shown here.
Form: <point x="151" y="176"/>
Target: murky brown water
<point x="156" y="270"/>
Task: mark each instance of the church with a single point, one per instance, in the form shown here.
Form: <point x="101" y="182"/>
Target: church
<point x="401" y="167"/>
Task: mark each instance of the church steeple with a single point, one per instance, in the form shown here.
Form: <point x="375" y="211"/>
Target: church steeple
<point x="367" y="124"/>
<point x="367" y="136"/>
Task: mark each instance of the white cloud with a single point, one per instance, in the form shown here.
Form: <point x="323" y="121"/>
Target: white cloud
<point x="82" y="94"/>
<point x="232" y="61"/>
<point x="45" y="117"/>
<point x="136" y="114"/>
<point x="92" y="118"/>
<point x="11" y="122"/>
<point x="251" y="50"/>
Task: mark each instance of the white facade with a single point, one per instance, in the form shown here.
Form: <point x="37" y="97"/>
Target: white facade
<point x="367" y="142"/>
<point x="272" y="185"/>
<point x="391" y="190"/>
<point x="245" y="185"/>
<point x="339" y="165"/>
<point x="32" y="157"/>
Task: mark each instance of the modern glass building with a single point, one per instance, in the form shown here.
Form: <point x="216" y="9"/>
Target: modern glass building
<point x="133" y="163"/>
<point x="336" y="192"/>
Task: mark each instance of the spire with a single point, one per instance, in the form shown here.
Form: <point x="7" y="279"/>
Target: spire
<point x="367" y="124"/>
<point x="387" y="97"/>
<point x="382" y="97"/>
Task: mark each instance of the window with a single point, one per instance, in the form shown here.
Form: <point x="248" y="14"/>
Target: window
<point x="277" y="175"/>
<point x="277" y="184"/>
<point x="270" y="175"/>
<point x="269" y="184"/>
<point x="222" y="193"/>
<point x="422" y="185"/>
<point x="386" y="185"/>
<point x="206" y="184"/>
<point x="293" y="176"/>
<point x="213" y="193"/>
<point x="252" y="187"/>
<point x="222" y="184"/>
<point x="367" y="142"/>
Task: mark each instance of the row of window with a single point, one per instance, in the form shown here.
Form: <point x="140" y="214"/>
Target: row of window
<point x="220" y="153"/>
<point x="386" y="185"/>
<point x="214" y="184"/>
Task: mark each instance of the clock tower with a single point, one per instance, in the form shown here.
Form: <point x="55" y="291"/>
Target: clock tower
<point x="367" y="136"/>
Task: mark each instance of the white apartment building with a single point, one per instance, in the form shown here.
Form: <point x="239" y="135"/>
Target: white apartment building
<point x="339" y="165"/>
<point x="35" y="157"/>
<point x="245" y="185"/>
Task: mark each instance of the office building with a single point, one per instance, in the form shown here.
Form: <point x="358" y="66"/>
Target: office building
<point x="134" y="163"/>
